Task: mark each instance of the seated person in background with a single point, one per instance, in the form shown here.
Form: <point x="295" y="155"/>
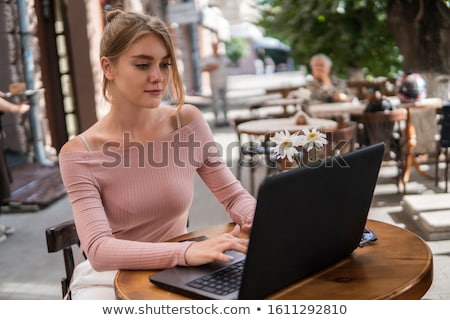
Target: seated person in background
<point x="268" y="65"/>
<point x="323" y="86"/>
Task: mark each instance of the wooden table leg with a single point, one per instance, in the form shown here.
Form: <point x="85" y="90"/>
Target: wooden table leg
<point x="411" y="142"/>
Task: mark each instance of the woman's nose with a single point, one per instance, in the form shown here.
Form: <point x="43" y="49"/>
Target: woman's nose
<point x="155" y="75"/>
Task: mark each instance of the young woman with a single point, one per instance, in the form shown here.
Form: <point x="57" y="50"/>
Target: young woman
<point x="130" y="177"/>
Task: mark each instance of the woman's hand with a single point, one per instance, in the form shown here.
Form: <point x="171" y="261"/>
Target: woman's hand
<point x="23" y="107"/>
<point x="341" y="97"/>
<point x="246" y="227"/>
<point x="7" y="106"/>
<point x="213" y="249"/>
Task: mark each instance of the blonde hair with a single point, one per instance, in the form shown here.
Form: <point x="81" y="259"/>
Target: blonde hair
<point x="125" y="28"/>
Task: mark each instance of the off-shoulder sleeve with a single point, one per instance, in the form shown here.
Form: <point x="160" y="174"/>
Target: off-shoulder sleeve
<point x="104" y="251"/>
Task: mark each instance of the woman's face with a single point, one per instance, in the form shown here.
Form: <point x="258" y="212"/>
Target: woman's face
<point x="141" y="74"/>
<point x="319" y="68"/>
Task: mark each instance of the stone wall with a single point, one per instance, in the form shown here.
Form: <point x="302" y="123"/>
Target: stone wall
<point x="16" y="127"/>
<point x="11" y="70"/>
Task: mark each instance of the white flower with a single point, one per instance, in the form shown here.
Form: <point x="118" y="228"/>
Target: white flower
<point x="314" y="139"/>
<point x="286" y="144"/>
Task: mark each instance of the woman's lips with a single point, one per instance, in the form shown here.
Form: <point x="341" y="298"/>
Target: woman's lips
<point x="155" y="92"/>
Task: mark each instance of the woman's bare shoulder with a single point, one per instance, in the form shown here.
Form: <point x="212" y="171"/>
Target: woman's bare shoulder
<point x="73" y="145"/>
<point x="88" y="140"/>
<point x="189" y="113"/>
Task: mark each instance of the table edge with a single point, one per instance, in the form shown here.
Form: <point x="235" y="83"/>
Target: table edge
<point x="414" y="290"/>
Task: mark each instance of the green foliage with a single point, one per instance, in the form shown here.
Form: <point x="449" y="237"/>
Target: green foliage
<point x="237" y="48"/>
<point x="354" y="33"/>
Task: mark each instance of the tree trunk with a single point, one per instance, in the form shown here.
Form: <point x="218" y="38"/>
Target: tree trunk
<point x="422" y="31"/>
<point x="438" y="86"/>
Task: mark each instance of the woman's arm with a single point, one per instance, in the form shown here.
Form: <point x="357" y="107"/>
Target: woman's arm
<point x="7" y="106"/>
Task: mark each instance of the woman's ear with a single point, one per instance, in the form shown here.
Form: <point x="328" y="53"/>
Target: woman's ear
<point x="107" y="68"/>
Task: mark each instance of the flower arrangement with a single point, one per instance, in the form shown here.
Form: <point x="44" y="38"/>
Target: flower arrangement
<point x="288" y="145"/>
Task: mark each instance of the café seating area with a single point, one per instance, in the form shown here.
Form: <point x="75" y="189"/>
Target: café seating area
<point x="416" y="135"/>
<point x="410" y="131"/>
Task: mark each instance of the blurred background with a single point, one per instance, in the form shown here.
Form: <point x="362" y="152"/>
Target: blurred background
<point x="53" y="45"/>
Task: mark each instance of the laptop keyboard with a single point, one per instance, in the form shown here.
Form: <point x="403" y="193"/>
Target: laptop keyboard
<point x="221" y="282"/>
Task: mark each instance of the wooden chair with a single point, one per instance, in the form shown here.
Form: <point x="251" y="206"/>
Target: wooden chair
<point x="443" y="144"/>
<point x="341" y="140"/>
<point x="387" y="127"/>
<point x="62" y="237"/>
<point x="363" y="88"/>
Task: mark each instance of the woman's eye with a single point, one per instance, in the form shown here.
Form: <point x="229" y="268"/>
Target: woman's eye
<point x="142" y="65"/>
<point x="165" y="65"/>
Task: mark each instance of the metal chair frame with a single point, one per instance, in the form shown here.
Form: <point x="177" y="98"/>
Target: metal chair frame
<point x="252" y="152"/>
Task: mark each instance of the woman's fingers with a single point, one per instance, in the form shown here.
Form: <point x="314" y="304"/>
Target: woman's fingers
<point x="215" y="248"/>
<point x="247" y="227"/>
<point x="236" y="231"/>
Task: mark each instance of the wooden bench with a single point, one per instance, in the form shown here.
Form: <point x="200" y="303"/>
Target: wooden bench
<point x="252" y="90"/>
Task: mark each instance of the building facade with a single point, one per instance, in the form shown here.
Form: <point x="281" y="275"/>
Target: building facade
<point x="62" y="40"/>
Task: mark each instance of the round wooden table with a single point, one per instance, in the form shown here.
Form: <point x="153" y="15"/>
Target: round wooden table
<point x="399" y="265"/>
<point x="268" y="127"/>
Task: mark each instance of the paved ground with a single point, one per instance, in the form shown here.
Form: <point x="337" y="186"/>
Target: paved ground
<point x="27" y="271"/>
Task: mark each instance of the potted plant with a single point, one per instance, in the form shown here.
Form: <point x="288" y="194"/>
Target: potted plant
<point x="236" y="48"/>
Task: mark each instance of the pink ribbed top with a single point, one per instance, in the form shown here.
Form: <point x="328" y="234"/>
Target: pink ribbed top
<point x="126" y="202"/>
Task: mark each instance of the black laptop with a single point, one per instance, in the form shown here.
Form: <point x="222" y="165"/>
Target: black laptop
<point x="306" y="219"/>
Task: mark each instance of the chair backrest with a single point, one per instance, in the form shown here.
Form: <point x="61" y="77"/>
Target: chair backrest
<point x="363" y="88"/>
<point x="445" y="125"/>
<point x="341" y="140"/>
<point x="380" y="126"/>
<point x="62" y="237"/>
